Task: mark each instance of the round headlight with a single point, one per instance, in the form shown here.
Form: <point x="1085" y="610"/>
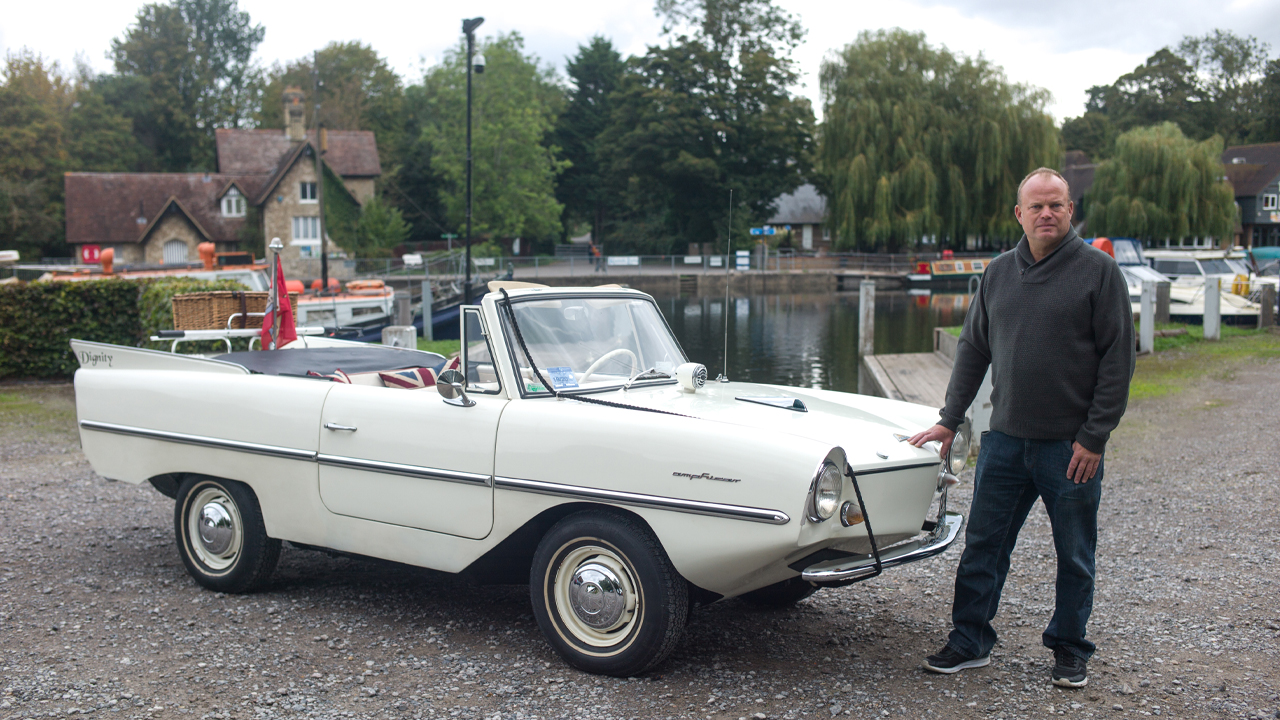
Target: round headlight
<point x="826" y="492"/>
<point x="959" y="453"/>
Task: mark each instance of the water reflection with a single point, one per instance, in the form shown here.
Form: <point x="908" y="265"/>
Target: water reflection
<point x="805" y="340"/>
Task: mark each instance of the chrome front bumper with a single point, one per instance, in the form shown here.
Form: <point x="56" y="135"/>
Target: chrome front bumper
<point x="849" y="569"/>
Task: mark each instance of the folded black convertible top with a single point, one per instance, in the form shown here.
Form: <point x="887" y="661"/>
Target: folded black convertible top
<point x="328" y="359"/>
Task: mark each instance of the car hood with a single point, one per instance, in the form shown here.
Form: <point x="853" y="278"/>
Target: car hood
<point x="864" y="426"/>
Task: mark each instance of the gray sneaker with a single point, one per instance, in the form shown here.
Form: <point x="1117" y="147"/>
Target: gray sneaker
<point x="949" y="660"/>
<point x="1069" y="669"/>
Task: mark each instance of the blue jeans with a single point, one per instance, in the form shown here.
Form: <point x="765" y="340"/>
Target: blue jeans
<point x="1011" y="473"/>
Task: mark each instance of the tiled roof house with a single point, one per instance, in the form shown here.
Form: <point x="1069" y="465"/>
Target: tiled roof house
<point x="803" y="212"/>
<point x="1254" y="172"/>
<point x="159" y="218"/>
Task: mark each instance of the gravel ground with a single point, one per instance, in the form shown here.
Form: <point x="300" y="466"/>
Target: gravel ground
<point x="97" y="615"/>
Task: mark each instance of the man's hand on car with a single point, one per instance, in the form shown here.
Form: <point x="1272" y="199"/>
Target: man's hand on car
<point x="938" y="433"/>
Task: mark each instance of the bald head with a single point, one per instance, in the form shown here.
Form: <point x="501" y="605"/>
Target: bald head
<point x="1044" y="171"/>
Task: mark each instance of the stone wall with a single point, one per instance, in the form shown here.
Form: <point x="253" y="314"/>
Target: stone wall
<point x="130" y="254"/>
<point x="173" y="226"/>
<point x="361" y="188"/>
<point x="282" y="206"/>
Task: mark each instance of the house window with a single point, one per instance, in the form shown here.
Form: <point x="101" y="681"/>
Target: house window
<point x="307" y="191"/>
<point x="306" y="228"/>
<point x="1268" y="202"/>
<point x="233" y="204"/>
<point x="175" y="252"/>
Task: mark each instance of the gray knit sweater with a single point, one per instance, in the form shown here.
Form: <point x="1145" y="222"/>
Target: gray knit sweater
<point x="1058" y="335"/>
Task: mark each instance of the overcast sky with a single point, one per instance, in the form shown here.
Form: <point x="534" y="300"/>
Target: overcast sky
<point x="1064" y="47"/>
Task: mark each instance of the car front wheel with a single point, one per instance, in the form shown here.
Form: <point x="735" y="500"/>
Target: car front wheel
<point x="221" y="536"/>
<point x="605" y="594"/>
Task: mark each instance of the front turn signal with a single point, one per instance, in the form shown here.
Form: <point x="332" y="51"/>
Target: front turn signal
<point x="850" y="515"/>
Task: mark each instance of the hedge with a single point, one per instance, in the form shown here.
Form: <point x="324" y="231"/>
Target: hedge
<point x="38" y="319"/>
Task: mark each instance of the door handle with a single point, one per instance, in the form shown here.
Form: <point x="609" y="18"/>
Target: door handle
<point x="336" y="426"/>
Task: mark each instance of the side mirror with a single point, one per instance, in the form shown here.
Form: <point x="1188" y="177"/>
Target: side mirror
<point x="452" y="387"/>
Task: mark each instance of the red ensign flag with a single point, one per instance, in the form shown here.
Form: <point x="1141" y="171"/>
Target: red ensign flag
<point x="287" y="331"/>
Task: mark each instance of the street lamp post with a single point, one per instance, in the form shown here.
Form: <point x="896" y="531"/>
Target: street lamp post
<point x="469" y="28"/>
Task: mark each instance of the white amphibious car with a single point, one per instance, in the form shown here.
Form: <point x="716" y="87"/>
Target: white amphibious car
<point x="574" y="446"/>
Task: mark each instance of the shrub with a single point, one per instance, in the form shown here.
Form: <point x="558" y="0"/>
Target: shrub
<point x="37" y="320"/>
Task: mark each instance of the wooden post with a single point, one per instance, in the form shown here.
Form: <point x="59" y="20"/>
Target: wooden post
<point x="1162" y="301"/>
<point x="1147" y="318"/>
<point x="867" y="318"/>
<point x="1267" y="317"/>
<point x="1212" y="308"/>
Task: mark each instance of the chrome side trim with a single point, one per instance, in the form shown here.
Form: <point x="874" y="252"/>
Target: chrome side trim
<point x="200" y="440"/>
<point x="414" y="471"/>
<point x="850" y="569"/>
<point x="696" y="507"/>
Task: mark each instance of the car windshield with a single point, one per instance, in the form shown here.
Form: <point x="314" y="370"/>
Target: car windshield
<point x="592" y="342"/>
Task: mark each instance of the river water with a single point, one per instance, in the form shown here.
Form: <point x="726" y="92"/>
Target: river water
<point x="805" y="340"/>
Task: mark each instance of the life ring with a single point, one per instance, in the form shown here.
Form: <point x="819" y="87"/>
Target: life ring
<point x="1240" y="285"/>
<point x="366" y="287"/>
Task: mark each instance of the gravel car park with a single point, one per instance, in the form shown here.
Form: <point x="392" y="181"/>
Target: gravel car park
<point x="98" y="615"/>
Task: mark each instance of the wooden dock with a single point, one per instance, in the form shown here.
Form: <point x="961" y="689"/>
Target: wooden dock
<point x="913" y="377"/>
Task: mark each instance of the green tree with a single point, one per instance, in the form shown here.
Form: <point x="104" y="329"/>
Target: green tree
<point x="1229" y="70"/>
<point x="710" y="112"/>
<point x="1213" y="84"/>
<point x="595" y="73"/>
<point x="918" y="142"/>
<point x="414" y="185"/>
<point x="381" y="228"/>
<point x="1267" y="127"/>
<point x="514" y="106"/>
<point x="359" y="91"/>
<point x="49" y="125"/>
<point x="1092" y="132"/>
<point x="182" y="71"/>
<point x="1160" y="185"/>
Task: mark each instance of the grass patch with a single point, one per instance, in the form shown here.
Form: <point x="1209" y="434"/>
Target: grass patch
<point x="954" y="330"/>
<point x="447" y="348"/>
<point x="1182" y="359"/>
<point x="34" y="410"/>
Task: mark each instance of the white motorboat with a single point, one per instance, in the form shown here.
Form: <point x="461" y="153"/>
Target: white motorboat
<point x="1186" y="295"/>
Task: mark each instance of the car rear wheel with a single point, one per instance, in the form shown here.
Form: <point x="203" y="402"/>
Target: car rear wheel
<point x="221" y="536"/>
<point x="781" y="594"/>
<point x="605" y="594"/>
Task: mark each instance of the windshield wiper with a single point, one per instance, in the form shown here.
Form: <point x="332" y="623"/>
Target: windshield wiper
<point x="650" y="374"/>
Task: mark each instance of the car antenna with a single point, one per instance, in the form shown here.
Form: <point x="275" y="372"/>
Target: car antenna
<point x="728" y="250"/>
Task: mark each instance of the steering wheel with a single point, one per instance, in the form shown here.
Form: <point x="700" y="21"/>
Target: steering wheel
<point x="635" y="364"/>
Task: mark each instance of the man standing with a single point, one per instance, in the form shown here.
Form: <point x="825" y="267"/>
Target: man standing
<point x="1053" y="321"/>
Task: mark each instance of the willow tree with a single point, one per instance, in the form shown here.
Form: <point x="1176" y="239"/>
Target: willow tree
<point x="1161" y="185"/>
<point x="917" y="141"/>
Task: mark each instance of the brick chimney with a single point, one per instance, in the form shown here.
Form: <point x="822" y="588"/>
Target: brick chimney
<point x="294" y="114"/>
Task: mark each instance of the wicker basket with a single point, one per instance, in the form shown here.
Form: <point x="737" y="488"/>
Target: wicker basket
<point x="210" y="310"/>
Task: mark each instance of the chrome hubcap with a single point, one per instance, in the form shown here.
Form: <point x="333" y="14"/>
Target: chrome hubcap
<point x="597" y="596"/>
<point x="216" y="528"/>
<point x="215" y="531"/>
